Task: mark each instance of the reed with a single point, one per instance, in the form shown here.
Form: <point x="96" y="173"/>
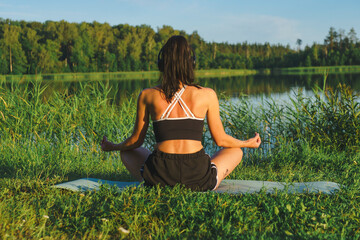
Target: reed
<point x="47" y="139"/>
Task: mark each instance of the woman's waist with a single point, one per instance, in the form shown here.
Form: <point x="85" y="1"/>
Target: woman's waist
<point x="181" y="146"/>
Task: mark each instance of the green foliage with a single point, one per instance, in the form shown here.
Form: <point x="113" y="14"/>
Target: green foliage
<point x="12" y="51"/>
<point x="31" y="208"/>
<point x="330" y="120"/>
<point x="38" y="130"/>
<point x="57" y="47"/>
<point x="48" y="137"/>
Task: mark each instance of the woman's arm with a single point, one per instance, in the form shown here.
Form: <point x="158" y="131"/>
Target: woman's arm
<point x="217" y="129"/>
<point x="137" y="137"/>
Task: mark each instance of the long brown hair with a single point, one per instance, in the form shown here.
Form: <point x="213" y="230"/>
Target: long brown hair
<point x="176" y="63"/>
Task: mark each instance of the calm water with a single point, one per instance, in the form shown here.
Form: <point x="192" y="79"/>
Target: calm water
<point x="257" y="87"/>
<point x="279" y="88"/>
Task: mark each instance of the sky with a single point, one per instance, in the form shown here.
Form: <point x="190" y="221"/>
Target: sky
<point x="232" y="21"/>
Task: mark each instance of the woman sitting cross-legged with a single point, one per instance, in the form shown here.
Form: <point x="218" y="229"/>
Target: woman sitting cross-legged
<point x="178" y="108"/>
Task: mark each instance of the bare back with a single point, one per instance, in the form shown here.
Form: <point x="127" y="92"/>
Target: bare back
<point x="196" y="100"/>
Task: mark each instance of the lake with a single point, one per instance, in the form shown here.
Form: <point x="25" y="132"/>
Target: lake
<point x="256" y="87"/>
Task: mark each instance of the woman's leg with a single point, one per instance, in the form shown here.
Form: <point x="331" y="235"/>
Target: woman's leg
<point x="134" y="159"/>
<point x="226" y="160"/>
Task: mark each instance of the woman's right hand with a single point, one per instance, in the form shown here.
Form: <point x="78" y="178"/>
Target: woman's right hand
<point x="106" y="145"/>
<point x="254" y="142"/>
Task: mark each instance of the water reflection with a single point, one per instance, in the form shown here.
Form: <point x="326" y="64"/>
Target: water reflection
<point x="256" y="87"/>
<point x="272" y="84"/>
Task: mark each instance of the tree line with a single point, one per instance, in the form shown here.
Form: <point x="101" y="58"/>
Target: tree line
<point x="61" y="46"/>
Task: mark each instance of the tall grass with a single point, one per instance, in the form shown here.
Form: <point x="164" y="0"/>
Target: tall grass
<point x="59" y="134"/>
<point x="47" y="139"/>
<point x="329" y="120"/>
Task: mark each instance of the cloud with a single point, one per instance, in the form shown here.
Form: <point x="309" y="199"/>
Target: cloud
<point x="256" y="28"/>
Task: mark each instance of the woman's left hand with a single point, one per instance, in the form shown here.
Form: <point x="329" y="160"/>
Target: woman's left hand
<point x="254" y="142"/>
<point x="106" y="145"/>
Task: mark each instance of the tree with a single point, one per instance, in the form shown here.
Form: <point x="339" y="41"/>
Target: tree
<point x="308" y="61"/>
<point x="12" y="49"/>
<point x="31" y="47"/>
<point x="149" y="51"/>
<point x="122" y="39"/>
<point x="103" y="39"/>
<point x="67" y="35"/>
<point x="83" y="50"/>
<point x="352" y="36"/>
<point x="164" y="33"/>
<point x="298" y="43"/>
<point x="30" y="44"/>
<point x="331" y="38"/>
<point x="4" y="67"/>
<point x="49" y="57"/>
<point x="315" y="55"/>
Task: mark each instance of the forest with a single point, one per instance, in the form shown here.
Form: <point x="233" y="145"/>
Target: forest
<point x="61" y="46"/>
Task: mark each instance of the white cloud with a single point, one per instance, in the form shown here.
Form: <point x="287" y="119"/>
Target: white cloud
<point x="256" y="28"/>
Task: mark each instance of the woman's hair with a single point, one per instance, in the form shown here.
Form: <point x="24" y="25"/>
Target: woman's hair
<point x="176" y="62"/>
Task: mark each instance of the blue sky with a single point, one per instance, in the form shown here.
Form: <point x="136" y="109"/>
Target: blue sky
<point x="273" y="21"/>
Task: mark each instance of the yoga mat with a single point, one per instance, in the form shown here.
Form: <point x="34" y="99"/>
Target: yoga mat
<point x="250" y="186"/>
<point x="226" y="186"/>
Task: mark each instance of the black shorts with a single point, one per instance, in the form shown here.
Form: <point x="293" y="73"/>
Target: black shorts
<point x="194" y="170"/>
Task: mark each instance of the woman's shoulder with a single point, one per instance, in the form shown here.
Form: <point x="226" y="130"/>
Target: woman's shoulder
<point x="151" y="90"/>
<point x="205" y="91"/>
<point x="150" y="94"/>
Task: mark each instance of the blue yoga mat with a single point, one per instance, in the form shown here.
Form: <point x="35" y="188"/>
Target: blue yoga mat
<point x="226" y="186"/>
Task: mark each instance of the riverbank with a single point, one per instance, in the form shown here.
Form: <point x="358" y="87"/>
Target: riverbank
<point x="317" y="70"/>
<point x="100" y="76"/>
<point x="153" y="75"/>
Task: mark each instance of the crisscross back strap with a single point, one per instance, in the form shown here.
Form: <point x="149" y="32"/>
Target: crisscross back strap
<point x="177" y="99"/>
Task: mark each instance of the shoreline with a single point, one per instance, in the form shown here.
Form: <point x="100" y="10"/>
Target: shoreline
<point x="149" y="75"/>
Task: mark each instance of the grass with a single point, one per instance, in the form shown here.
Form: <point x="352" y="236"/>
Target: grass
<point x="47" y="139"/>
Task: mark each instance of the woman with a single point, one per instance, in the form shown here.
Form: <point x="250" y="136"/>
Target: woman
<point x="178" y="108"/>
